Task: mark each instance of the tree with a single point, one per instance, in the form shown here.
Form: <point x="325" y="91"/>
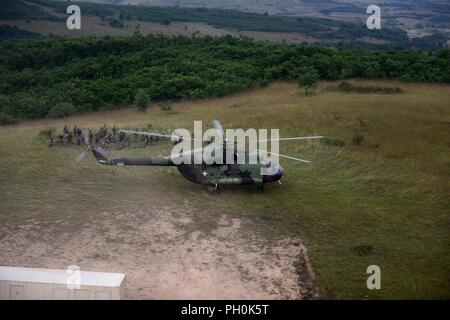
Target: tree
<point x="141" y="100"/>
<point x="307" y="79"/>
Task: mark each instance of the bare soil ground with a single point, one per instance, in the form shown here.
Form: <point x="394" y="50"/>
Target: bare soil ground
<point x="168" y="252"/>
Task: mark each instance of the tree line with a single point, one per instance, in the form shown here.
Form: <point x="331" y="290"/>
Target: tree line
<point x="60" y="76"/>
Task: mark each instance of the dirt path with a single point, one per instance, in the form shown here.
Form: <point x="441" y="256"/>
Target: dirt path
<point x="168" y="252"/>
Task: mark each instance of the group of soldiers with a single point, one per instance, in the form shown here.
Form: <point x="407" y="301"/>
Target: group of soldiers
<point x="103" y="137"/>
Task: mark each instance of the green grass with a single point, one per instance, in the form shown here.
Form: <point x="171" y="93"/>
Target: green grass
<point x="392" y="192"/>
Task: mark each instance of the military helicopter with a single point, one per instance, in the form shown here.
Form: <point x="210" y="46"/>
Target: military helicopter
<point x="215" y="174"/>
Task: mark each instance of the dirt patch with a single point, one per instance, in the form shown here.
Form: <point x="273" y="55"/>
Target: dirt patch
<point x="168" y="253"/>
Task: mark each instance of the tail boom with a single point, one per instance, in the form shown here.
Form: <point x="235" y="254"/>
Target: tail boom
<point x="148" y="161"/>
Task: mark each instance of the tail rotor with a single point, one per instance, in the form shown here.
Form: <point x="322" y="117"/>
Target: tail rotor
<point x="89" y="148"/>
<point x="86" y="139"/>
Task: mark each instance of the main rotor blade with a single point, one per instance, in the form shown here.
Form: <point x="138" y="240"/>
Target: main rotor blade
<point x="172" y="137"/>
<point x="287" y="157"/>
<point x="293" y="138"/>
<point x="218" y="126"/>
<point x="185" y="154"/>
<point x="81" y="156"/>
<point x="85" y="134"/>
<point x="150" y="134"/>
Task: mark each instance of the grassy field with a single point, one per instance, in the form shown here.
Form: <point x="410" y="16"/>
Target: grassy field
<point x="384" y="202"/>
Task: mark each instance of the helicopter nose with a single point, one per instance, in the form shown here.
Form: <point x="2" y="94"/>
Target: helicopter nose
<point x="279" y="174"/>
<point x="275" y="176"/>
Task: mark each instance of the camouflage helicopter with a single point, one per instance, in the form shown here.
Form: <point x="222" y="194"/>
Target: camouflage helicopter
<point x="216" y="174"/>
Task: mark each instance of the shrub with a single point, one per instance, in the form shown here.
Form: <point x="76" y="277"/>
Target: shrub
<point x="115" y="23"/>
<point x="358" y="139"/>
<point x="47" y="133"/>
<point x="165" y="106"/>
<point x="345" y="86"/>
<point x="362" y="250"/>
<point x="333" y="142"/>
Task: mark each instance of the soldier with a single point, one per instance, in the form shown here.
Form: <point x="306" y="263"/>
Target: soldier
<point x="121" y="137"/>
<point x="107" y="140"/>
<point x="76" y="135"/>
<point x="135" y="135"/>
<point x="105" y="131"/>
<point x="69" y="139"/>
<point x="60" y="139"/>
<point x="65" y="130"/>
<point x="91" y="136"/>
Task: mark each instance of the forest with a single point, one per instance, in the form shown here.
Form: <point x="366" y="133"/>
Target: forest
<point x="61" y="76"/>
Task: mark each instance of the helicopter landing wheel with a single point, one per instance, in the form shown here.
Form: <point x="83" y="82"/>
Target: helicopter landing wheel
<point x="260" y="187"/>
<point x="216" y="190"/>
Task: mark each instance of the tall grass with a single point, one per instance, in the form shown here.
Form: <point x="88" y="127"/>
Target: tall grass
<point x="391" y="193"/>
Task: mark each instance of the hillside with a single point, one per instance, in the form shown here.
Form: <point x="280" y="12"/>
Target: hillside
<point x="48" y="17"/>
<point x="417" y="18"/>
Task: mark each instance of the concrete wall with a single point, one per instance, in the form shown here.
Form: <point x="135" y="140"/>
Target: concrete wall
<point x="15" y="290"/>
<point x="47" y="290"/>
